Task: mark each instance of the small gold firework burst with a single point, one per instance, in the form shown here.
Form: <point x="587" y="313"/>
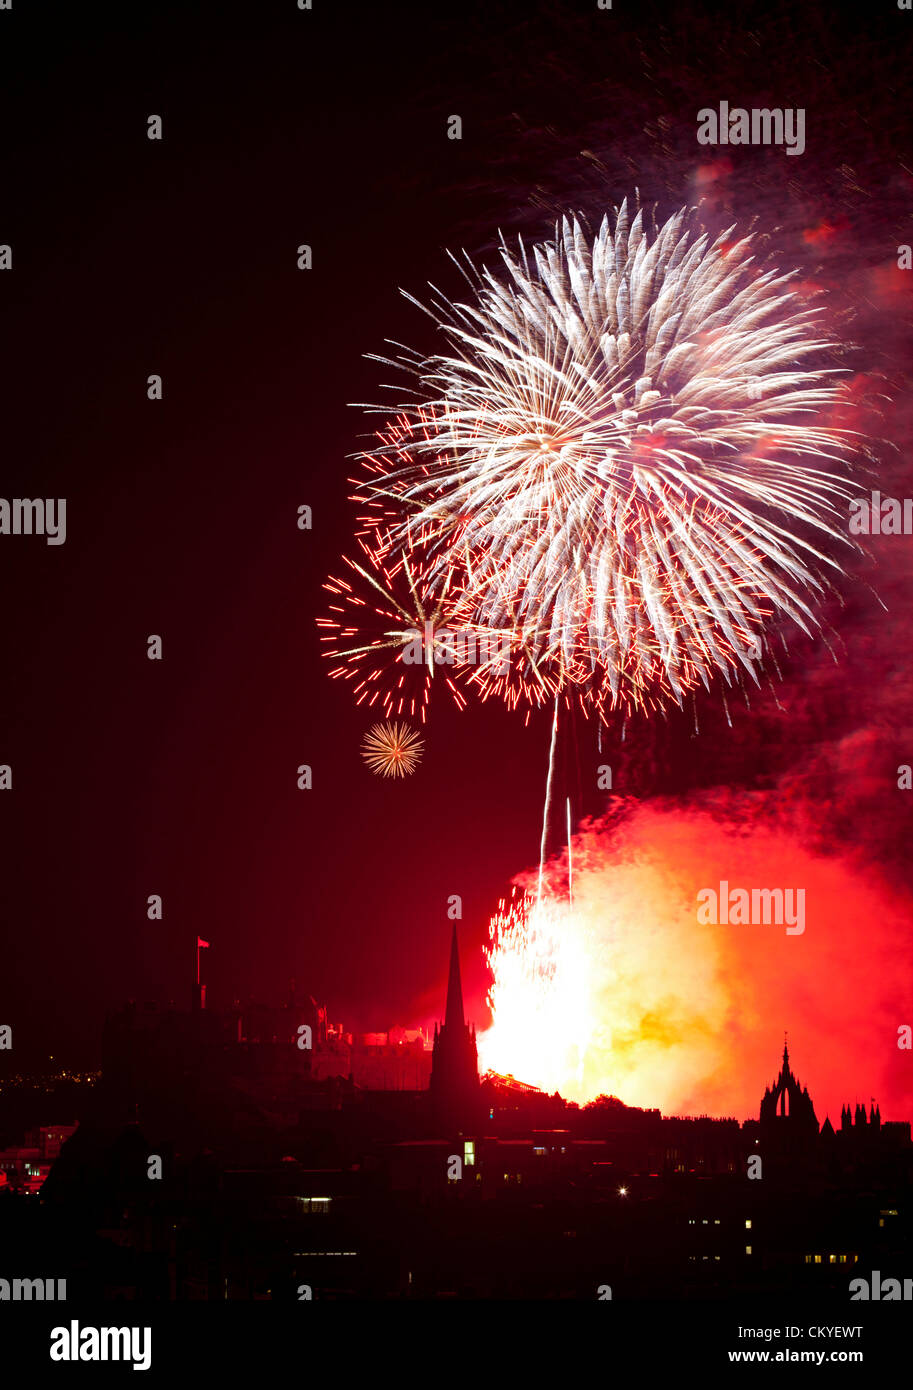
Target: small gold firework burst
<point x="392" y="750"/>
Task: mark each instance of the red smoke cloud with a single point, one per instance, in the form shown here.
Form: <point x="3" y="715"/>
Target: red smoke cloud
<point x="691" y="1017"/>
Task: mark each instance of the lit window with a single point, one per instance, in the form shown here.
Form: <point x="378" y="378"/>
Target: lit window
<point x="808" y="1259"/>
<point x="469" y="1152"/>
<point x="748" y="1225"/>
<point x="832" y="1259"/>
<point x="747" y="1249"/>
<point x="843" y="1259"/>
<point x="817" y="1259"/>
<point x="315" y="1204"/>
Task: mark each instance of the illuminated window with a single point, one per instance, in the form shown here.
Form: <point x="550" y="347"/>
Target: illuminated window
<point x="843" y="1259"/>
<point x="539" y="1151"/>
<point x="747" y="1249"/>
<point x="808" y="1259"/>
<point x="312" y="1253"/>
<point x="469" y="1152"/>
<point x="748" y="1225"/>
<point x="832" y="1259"/>
<point x="817" y="1259"/>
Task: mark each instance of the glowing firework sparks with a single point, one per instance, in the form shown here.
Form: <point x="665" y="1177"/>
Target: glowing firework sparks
<point x="621" y="451"/>
<point x="539" y="996"/>
<point x="375" y="621"/>
<point x="393" y="626"/>
<point x="392" y="750"/>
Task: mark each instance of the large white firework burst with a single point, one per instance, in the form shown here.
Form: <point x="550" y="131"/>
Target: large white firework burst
<point x="626" y="446"/>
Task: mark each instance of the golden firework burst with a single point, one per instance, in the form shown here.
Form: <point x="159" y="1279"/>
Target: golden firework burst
<point x="392" y="750"/>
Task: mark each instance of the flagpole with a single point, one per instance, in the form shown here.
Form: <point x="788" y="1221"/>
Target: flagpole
<point x="199" y="993"/>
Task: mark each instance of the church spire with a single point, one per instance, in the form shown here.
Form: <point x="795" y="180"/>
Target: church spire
<point x="453" y="1018"/>
<point x="454" y="1080"/>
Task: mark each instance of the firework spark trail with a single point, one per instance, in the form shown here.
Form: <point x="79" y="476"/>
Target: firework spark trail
<point x="619" y="452"/>
<point x="548" y="796"/>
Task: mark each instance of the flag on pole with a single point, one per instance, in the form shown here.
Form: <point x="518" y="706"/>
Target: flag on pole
<point x="200" y="943"/>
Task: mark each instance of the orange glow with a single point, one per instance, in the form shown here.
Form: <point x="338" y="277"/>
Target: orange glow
<point x="626" y="994"/>
<point x="539" y="996"/>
